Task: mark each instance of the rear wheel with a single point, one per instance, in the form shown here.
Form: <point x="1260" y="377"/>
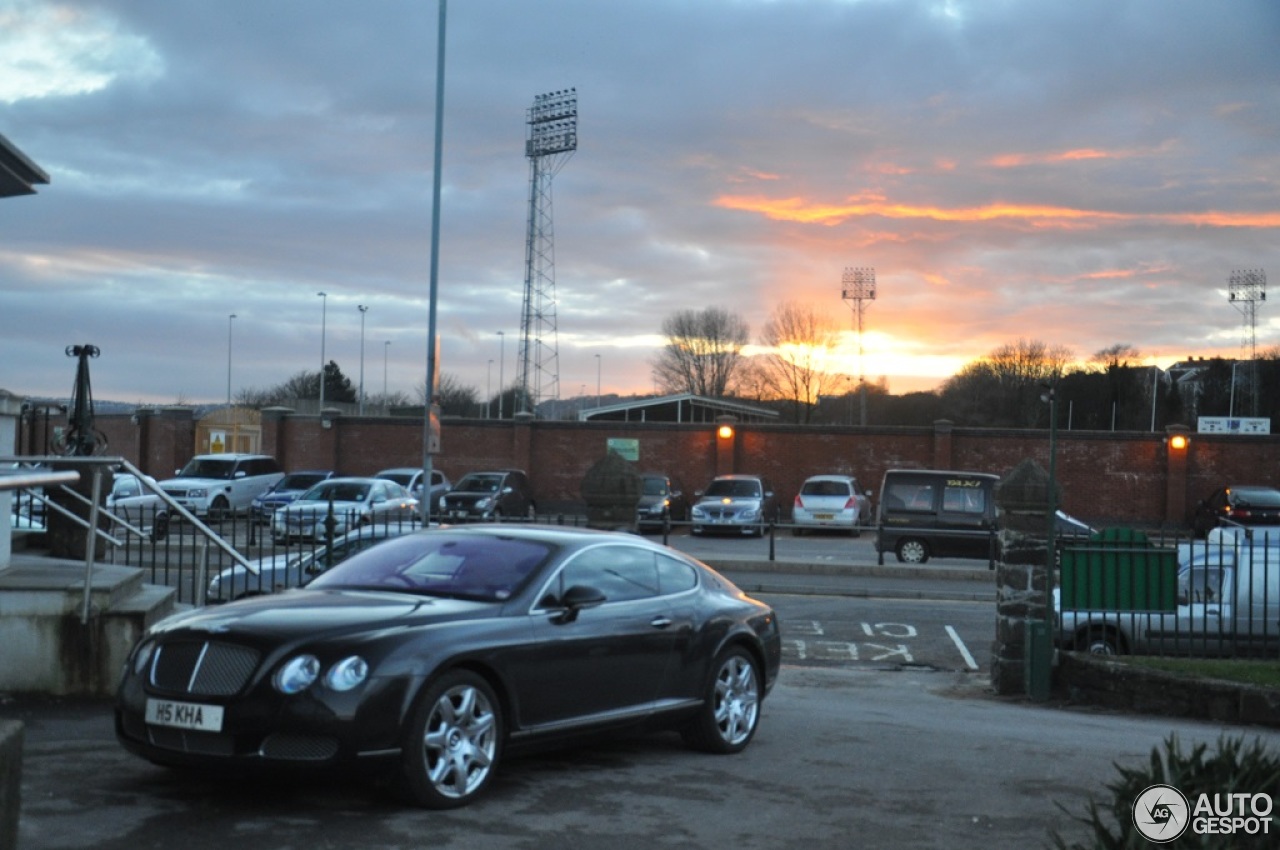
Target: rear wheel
<point x="730" y="711"/>
<point x="1099" y="641"/>
<point x="912" y="550"/>
<point x="219" y="510"/>
<point x="453" y="743"/>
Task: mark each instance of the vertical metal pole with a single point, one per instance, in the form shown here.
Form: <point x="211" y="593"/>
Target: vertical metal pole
<point x="324" y="312"/>
<point x="230" y="321"/>
<point x="435" y="269"/>
<point x="363" y="309"/>
<point x="91" y="543"/>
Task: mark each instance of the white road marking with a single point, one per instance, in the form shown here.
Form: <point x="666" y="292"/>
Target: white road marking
<point x="964" y="650"/>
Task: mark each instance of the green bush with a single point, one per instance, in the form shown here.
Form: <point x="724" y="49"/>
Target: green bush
<point x="1234" y="768"/>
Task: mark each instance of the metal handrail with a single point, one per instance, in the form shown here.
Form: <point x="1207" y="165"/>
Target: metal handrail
<point x="112" y="463"/>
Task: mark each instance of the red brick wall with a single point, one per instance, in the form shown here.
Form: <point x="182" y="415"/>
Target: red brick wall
<point x="1105" y="476"/>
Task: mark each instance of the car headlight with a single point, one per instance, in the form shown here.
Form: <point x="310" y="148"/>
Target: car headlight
<point x="141" y="656"/>
<point x="697" y="510"/>
<point x="197" y="493"/>
<point x="484" y="503"/>
<point x="347" y="673"/>
<point x="297" y="674"/>
<point x="750" y="513"/>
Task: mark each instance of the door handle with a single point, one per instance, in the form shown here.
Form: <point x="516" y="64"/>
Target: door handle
<point x="660" y="622"/>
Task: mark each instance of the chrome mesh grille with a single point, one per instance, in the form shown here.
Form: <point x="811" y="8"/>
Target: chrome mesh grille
<point x="205" y="668"/>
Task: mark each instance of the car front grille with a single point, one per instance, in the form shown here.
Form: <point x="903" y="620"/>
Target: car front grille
<point x="203" y="668"/>
<point x="290" y="747"/>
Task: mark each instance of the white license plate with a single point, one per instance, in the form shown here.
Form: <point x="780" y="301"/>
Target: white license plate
<point x="184" y="715"/>
<point x="824" y="516"/>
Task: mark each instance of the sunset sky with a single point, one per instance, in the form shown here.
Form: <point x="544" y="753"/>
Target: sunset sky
<point x="1085" y="173"/>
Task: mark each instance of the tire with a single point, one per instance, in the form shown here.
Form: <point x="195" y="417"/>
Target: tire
<point x="912" y="550"/>
<point x="1098" y="641"/>
<point x="454" y="742"/>
<point x="219" y="510"/>
<point x="730" y="714"/>
<point x="160" y="526"/>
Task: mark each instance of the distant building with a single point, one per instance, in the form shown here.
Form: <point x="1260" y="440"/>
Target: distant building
<point x="684" y="407"/>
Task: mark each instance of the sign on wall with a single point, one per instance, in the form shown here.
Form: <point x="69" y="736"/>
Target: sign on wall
<point x="627" y="447"/>
<point x="1234" y="425"/>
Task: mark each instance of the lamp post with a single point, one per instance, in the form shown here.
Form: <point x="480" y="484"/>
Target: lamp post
<point x="598" y="362"/>
<point x="363" y="309"/>
<point x="502" y="356"/>
<point x="488" y="390"/>
<point x="230" y="321"/>
<point x="386" y="346"/>
<point x="1231" y="406"/>
<point x="324" y="308"/>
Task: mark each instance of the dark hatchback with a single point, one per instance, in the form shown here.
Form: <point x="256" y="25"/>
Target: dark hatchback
<point x="661" y="501"/>
<point x="498" y="495"/>
<point x="434" y="654"/>
<point x="1238" y="505"/>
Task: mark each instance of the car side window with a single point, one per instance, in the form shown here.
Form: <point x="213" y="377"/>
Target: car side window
<point x="964" y="500"/>
<point x="675" y="576"/>
<point x="621" y="573"/>
<point x="1200" y="584"/>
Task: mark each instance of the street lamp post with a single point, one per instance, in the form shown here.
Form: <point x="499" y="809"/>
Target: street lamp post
<point x="363" y="309"/>
<point x="488" y="391"/>
<point x="1231" y="406"/>
<point x="598" y="361"/>
<point x="230" y="321"/>
<point x="324" y="309"/>
<point x="386" y="347"/>
<point x="502" y="356"/>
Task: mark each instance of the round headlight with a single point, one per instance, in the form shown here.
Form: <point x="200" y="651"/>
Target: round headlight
<point x="347" y="673"/>
<point x="142" y="656"/>
<point x="297" y="674"/>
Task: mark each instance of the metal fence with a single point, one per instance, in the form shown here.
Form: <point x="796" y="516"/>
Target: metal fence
<point x="1172" y="596"/>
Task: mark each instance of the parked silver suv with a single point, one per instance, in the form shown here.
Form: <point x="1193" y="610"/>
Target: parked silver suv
<point x="743" y="504"/>
<point x="217" y="485"/>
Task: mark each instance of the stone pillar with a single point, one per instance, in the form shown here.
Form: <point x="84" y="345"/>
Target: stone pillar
<point x="611" y="489"/>
<point x="726" y="438"/>
<point x="1023" y="594"/>
<point x="1177" y="444"/>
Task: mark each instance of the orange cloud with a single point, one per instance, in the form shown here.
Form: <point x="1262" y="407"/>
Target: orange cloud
<point x="805" y="212"/>
<point x="1017" y="160"/>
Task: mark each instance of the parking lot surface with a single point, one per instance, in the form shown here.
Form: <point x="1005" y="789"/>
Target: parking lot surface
<point x="844" y="758"/>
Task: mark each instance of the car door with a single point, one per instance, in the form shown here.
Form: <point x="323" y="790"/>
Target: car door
<point x="610" y="660"/>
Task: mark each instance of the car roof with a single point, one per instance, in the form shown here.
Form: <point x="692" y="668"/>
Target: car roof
<point x="831" y="477"/>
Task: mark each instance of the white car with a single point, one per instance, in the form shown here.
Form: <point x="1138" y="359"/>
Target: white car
<point x="217" y="485"/>
<point x="354" y="502"/>
<point x="832" y="502"/>
<point x="135" y="500"/>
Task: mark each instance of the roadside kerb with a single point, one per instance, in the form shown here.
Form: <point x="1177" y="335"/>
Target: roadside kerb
<point x="860" y="580"/>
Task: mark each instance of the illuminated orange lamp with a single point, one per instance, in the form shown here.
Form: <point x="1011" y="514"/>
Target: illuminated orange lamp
<point x="1178" y="442"/>
<point x="725" y="432"/>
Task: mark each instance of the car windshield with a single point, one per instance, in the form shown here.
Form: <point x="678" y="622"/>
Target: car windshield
<point x="1256" y="497"/>
<point x="825" y="488"/>
<point x="480" y="483"/>
<point x="655" y="487"/>
<point x="338" y="491"/>
<point x="299" y="480"/>
<point x="401" y="478"/>
<point x="734" y="489"/>
<point x="461" y="566"/>
<point x="208" y="468"/>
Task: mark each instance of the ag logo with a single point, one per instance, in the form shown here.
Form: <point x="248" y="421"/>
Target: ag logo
<point x="1161" y="813"/>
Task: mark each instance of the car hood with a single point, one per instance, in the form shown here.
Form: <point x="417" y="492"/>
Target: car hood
<point x="298" y="506"/>
<point x="188" y="483"/>
<point x="314" y="613"/>
<point x="711" y="501"/>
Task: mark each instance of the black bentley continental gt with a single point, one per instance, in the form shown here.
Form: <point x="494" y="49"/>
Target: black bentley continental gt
<point x="434" y="654"/>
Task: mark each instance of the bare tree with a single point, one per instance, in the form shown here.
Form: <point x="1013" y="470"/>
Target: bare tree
<point x="454" y="397"/>
<point x="702" y="352"/>
<point x="1004" y="387"/>
<point x="797" y="366"/>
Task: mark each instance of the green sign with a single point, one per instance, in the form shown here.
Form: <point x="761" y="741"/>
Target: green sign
<point x="628" y="448"/>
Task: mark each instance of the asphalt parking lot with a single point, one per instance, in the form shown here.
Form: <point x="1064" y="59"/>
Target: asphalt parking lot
<point x="843" y="759"/>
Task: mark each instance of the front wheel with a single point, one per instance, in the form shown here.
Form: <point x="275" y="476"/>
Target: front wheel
<point x="1102" y="642"/>
<point x="912" y="551"/>
<point x="454" y="741"/>
<point x="730" y="711"/>
<point x="219" y="510"/>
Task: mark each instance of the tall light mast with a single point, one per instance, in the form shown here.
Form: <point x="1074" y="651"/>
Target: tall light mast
<point x="1245" y="288"/>
<point x="858" y="286"/>
<point x="552" y="138"/>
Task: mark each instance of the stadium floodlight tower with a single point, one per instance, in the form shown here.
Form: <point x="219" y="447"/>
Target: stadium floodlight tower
<point x="858" y="287"/>
<point x="552" y="139"/>
<point x="1245" y="289"/>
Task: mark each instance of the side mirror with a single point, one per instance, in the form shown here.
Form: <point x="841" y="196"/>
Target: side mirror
<point x="575" y="599"/>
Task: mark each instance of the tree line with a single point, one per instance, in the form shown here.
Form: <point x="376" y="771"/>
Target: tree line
<point x="795" y="368"/>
